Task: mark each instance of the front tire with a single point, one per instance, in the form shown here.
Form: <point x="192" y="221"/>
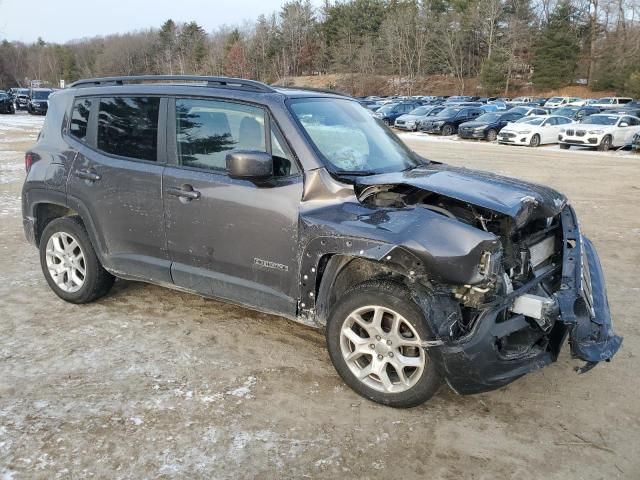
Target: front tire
<point x="447" y="130"/>
<point x="70" y="264"/>
<point x="535" y="141"/>
<point x="492" y="135"/>
<point x="605" y="144"/>
<point x="374" y="336"/>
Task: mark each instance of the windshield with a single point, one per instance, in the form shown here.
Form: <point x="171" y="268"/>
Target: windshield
<point x="489" y="117"/>
<point x="555" y="99"/>
<point x="41" y="94"/>
<point x="419" y="111"/>
<point x="606" y="100"/>
<point x="600" y="120"/>
<point x="448" y="112"/>
<point x="531" y="120"/>
<point x="388" y="108"/>
<point x="565" y="112"/>
<point x="349" y="139"/>
<point x="522" y="110"/>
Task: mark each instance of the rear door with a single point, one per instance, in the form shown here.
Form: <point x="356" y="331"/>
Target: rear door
<point x="116" y="179"/>
<point x="229" y="238"/>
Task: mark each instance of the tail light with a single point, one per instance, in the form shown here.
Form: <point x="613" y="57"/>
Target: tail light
<point x="28" y="161"/>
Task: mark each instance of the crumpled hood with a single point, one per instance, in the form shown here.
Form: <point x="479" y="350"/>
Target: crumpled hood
<point x="522" y="201"/>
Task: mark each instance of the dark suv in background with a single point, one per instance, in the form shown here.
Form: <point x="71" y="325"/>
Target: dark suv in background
<point x="38" y="101"/>
<point x="390" y="112"/>
<point x="302" y="204"/>
<point x="20" y="98"/>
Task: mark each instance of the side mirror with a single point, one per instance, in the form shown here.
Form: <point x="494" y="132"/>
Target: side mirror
<point x="249" y="164"/>
<point x="624" y="124"/>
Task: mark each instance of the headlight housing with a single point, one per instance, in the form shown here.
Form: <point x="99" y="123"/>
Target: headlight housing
<point x="595" y="132"/>
<point x="524" y="132"/>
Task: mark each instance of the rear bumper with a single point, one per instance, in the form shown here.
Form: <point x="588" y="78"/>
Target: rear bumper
<point x="475" y="363"/>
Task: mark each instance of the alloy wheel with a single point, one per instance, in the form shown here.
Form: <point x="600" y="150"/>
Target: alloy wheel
<point x="66" y="262"/>
<point x="382" y="349"/>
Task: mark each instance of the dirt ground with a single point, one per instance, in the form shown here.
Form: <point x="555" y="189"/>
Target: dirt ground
<point x="153" y="383"/>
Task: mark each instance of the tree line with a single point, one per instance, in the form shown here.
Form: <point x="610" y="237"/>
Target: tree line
<point x="505" y="44"/>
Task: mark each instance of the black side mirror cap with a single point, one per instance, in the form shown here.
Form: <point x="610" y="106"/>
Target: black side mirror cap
<point x="249" y="164"/>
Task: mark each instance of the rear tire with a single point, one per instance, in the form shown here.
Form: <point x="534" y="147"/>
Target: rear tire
<point x="70" y="264"/>
<point x="535" y="141"/>
<point x="377" y="327"/>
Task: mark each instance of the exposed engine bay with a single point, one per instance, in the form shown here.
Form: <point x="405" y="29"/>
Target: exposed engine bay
<point x="531" y="254"/>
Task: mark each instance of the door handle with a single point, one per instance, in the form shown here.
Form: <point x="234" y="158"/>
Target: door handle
<point x="87" y="175"/>
<point x="186" y="192"/>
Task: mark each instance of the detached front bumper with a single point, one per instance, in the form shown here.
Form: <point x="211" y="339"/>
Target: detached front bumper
<point x="476" y="363"/>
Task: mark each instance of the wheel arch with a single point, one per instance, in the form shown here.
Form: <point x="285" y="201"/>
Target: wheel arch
<point x="331" y="265"/>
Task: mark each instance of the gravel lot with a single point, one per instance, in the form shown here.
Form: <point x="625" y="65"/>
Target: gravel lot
<point x="152" y="383"/>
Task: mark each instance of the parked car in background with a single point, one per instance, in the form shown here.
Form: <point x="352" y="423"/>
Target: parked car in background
<point x="533" y="131"/>
<point x="601" y="131"/>
<point x="487" y="126"/>
<point x="38" y="101"/>
<point x="21" y="98"/>
<point x="576" y="113"/>
<point x="412" y="120"/>
<point x="539" y="101"/>
<point x="388" y="113"/>
<point x="447" y="121"/>
<point x="6" y="103"/>
<point x="458" y="99"/>
<point x="612" y="102"/>
<point x="555" y="102"/>
<point x="522" y="100"/>
<point x="527" y="111"/>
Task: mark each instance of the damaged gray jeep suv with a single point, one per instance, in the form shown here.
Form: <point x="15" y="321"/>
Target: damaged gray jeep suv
<point x="301" y="204"/>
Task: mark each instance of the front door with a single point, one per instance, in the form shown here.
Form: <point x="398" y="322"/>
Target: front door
<point x="228" y="238"/>
<point x="116" y="181"/>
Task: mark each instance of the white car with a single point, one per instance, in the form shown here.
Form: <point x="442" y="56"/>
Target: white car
<point x="602" y="131"/>
<point x="612" y="102"/>
<point x="528" y="111"/>
<point x="555" y="102"/>
<point x="533" y="131"/>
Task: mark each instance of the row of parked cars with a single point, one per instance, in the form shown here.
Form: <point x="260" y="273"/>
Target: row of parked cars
<point x="610" y="122"/>
<point x="33" y="100"/>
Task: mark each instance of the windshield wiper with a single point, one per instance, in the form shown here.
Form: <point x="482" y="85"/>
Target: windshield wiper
<point x="356" y="173"/>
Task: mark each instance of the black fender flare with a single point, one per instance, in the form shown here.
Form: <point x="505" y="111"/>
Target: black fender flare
<point x="342" y="250"/>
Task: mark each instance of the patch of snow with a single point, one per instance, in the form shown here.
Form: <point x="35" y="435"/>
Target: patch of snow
<point x="243" y="391"/>
<point x="136" y="421"/>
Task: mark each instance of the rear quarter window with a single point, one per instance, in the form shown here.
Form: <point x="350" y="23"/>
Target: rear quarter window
<point x="80" y="117"/>
<point x="128" y="127"/>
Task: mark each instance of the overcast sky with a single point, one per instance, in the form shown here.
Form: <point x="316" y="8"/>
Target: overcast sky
<point x="64" y="20"/>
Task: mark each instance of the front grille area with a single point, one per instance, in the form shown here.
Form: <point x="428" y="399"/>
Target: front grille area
<point x="571" y="132"/>
<point x="508" y="135"/>
<point x="580" y="133"/>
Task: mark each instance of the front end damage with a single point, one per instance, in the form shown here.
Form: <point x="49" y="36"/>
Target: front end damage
<point x="545" y="283"/>
<point x="499" y="267"/>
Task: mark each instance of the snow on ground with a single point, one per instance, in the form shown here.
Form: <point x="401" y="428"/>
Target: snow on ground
<point x="19" y="121"/>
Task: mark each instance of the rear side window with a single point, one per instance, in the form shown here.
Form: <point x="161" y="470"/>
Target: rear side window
<point x="80" y="118"/>
<point x="128" y="126"/>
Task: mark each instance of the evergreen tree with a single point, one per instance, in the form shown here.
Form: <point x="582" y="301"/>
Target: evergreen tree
<point x="557" y="50"/>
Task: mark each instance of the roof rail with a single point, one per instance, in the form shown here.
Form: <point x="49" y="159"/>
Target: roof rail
<point x="217" y="82"/>
<point x="313" y="89"/>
